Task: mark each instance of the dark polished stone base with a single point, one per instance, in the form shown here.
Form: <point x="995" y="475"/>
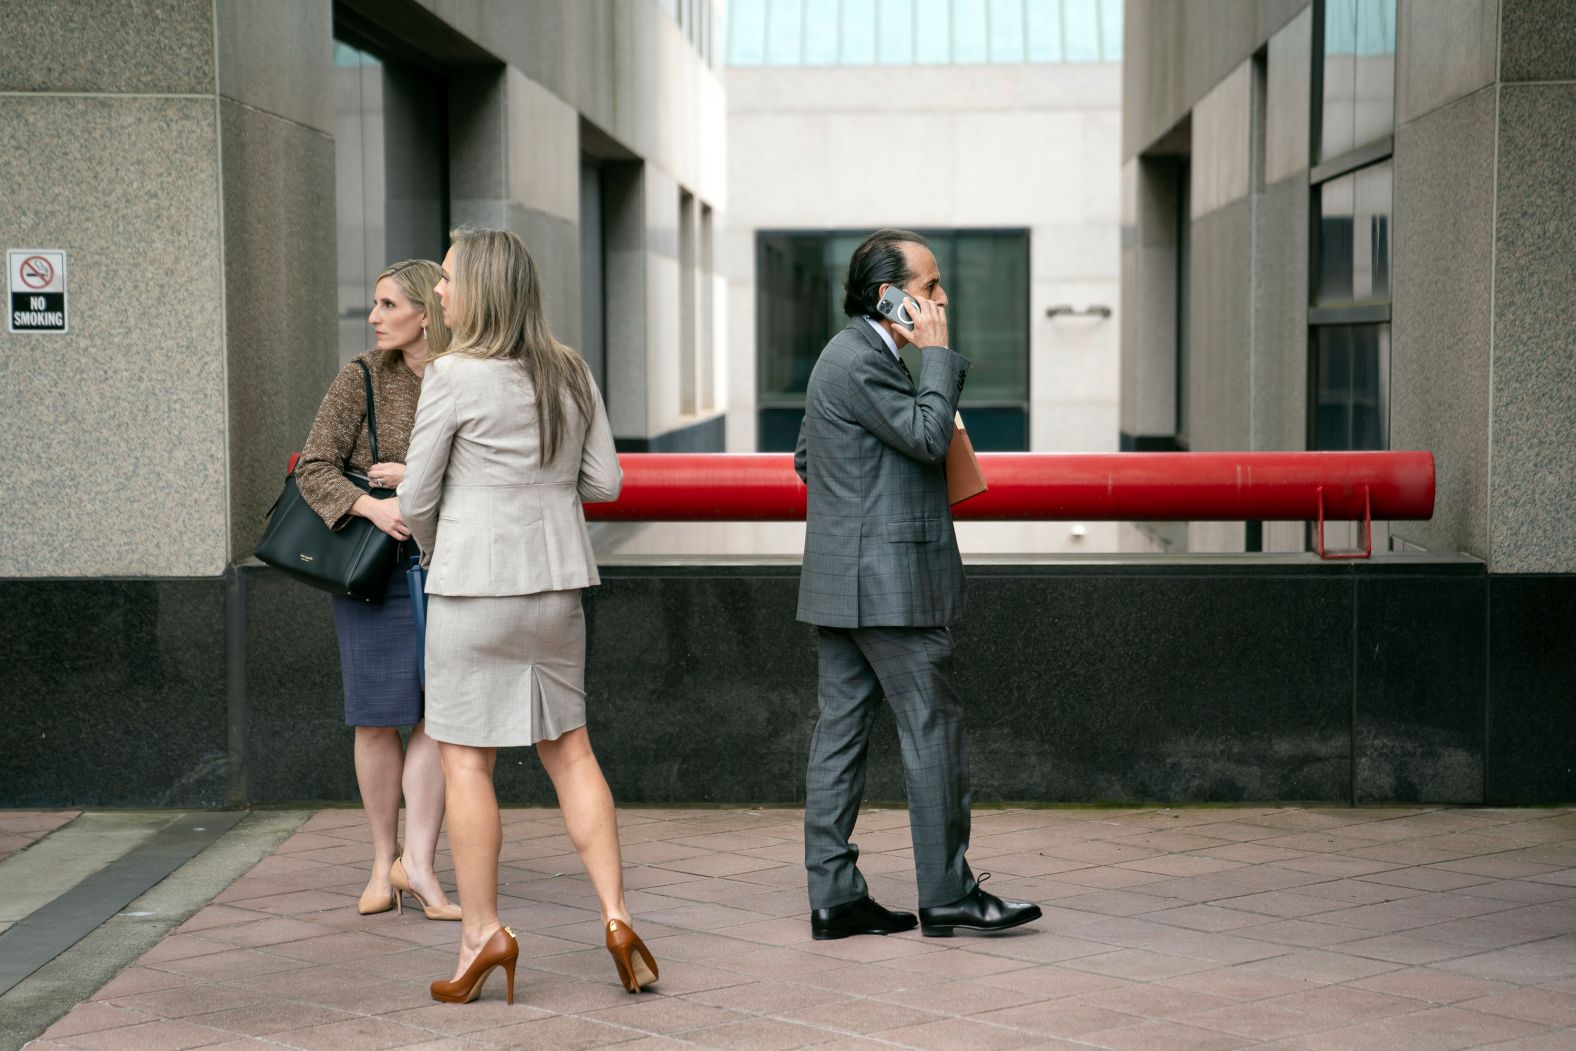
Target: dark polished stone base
<point x="114" y="693"/>
<point x="1248" y="679"/>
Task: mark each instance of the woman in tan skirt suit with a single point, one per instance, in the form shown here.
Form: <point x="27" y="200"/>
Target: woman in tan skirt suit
<point x="510" y="437"/>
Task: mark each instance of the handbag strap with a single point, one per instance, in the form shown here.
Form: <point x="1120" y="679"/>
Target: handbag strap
<point x="372" y="411"/>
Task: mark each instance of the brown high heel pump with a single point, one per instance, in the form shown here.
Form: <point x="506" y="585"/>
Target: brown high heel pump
<point x="401" y="884"/>
<point x="501" y="950"/>
<point x="636" y="968"/>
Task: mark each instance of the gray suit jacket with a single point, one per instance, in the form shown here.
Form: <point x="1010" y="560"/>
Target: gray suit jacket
<point x="490" y="517"/>
<point x="879" y="547"/>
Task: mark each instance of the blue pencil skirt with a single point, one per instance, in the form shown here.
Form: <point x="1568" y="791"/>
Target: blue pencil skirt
<point x="377" y="658"/>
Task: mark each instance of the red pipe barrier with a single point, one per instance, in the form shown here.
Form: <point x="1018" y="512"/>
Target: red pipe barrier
<point x="1125" y="487"/>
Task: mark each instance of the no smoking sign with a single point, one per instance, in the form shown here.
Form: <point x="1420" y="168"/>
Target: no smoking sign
<point x="36" y="278"/>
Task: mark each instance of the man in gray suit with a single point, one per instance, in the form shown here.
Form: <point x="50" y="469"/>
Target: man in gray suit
<point x="883" y="581"/>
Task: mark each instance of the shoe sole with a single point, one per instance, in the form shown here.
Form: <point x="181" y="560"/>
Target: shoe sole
<point x="947" y="931"/>
<point x="828" y="936"/>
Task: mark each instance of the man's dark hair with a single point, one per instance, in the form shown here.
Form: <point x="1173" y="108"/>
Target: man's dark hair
<point x="879" y="260"/>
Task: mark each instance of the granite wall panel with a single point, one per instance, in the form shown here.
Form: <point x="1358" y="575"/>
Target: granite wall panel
<point x="1288" y="73"/>
<point x="1280" y="322"/>
<point x="1441" y="318"/>
<point x="1445" y="50"/>
<point x="1537" y="41"/>
<point x="1222" y="141"/>
<point x="280" y="302"/>
<point x="278" y="58"/>
<point x="1533" y="486"/>
<point x="1220" y="329"/>
<point x="121" y="420"/>
<point x="555" y="245"/>
<point x="144" y="47"/>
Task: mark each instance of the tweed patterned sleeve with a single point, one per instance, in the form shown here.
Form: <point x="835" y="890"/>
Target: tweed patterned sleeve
<point x="917" y="424"/>
<point x="335" y="432"/>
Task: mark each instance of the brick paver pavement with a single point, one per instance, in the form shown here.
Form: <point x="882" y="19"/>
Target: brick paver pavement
<point x="20" y="829"/>
<point x="1197" y="929"/>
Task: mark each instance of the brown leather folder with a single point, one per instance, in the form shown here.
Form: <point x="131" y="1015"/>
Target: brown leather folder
<point x="963" y="467"/>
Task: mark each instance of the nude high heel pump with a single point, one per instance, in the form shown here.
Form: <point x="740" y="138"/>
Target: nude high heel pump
<point x="501" y="950"/>
<point x="402" y="887"/>
<point x="371" y="904"/>
<point x="636" y="968"/>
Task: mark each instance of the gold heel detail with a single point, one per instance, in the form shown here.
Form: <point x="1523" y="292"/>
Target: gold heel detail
<point x="636" y="967"/>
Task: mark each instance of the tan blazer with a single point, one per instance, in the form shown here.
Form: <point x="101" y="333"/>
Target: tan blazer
<point x="490" y="517"/>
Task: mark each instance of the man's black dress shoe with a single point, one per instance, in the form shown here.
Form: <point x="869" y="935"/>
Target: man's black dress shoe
<point x="858" y="917"/>
<point x="976" y="911"/>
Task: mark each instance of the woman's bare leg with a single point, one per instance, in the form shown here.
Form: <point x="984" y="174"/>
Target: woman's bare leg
<point x="475" y="838"/>
<point x="423" y="784"/>
<point x="380" y="762"/>
<point x="587" y="805"/>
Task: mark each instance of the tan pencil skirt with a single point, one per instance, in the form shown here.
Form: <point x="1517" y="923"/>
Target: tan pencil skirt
<point x="505" y="671"/>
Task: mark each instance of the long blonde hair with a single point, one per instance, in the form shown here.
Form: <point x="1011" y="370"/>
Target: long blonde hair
<point x="418" y="278"/>
<point x="495" y="306"/>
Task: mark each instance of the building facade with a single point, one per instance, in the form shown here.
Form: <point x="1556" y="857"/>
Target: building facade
<point x="991" y="128"/>
<point x="224" y="179"/>
<point x="228" y="178"/>
<point x="1343" y="228"/>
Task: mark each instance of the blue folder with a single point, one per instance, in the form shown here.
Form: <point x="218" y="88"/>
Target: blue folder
<point x="417" y="578"/>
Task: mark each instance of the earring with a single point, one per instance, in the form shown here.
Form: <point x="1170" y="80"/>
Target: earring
<point x="424" y="332"/>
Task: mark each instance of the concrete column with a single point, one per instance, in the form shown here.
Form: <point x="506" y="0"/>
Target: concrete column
<point x="276" y="117"/>
<point x="1532" y="409"/>
<point x="515" y="165"/>
<point x="157" y="148"/>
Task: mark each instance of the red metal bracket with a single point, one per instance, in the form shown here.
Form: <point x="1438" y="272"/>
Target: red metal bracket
<point x="1368" y="530"/>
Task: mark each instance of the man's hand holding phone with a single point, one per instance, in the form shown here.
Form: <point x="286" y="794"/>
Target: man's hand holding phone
<point x="923" y="322"/>
<point x="930" y="322"/>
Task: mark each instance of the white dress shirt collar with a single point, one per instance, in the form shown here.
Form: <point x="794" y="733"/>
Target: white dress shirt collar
<point x="886" y="337"/>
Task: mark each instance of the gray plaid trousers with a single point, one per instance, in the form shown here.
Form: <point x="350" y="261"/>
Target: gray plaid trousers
<point x="912" y="668"/>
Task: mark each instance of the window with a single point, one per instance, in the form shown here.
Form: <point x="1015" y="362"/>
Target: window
<point x="799" y="297"/>
<point x="1353" y="240"/>
<point x="391" y="175"/>
<point x="687" y="308"/>
<point x="694" y="18"/>
<point x="907" y="32"/>
<point x="1357" y="74"/>
<point x="1350" y="390"/>
<point x="1353" y="201"/>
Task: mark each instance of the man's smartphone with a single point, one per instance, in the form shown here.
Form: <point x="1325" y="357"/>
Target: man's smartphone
<point x="894" y="309"/>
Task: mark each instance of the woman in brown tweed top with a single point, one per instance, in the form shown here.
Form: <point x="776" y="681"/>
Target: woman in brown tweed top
<point x="377" y="640"/>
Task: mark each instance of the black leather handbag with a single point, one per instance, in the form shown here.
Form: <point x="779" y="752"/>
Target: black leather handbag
<point x="357" y="561"/>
